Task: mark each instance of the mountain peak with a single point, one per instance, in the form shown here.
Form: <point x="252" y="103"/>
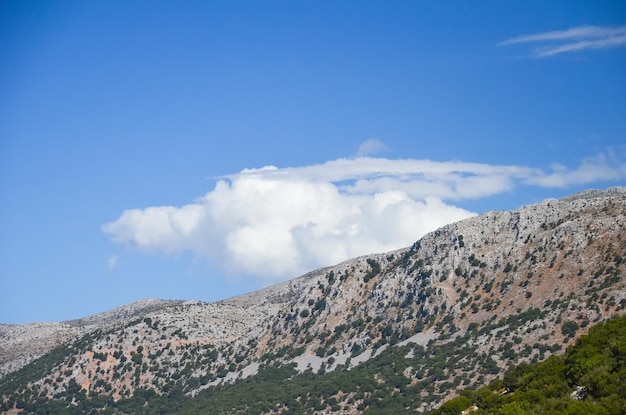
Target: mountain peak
<point x="455" y="309"/>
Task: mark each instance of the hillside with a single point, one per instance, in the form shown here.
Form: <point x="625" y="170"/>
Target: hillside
<point x="408" y="328"/>
<point x="21" y="344"/>
<point x="589" y="378"/>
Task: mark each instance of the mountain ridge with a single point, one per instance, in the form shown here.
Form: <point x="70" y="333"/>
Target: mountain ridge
<point x="500" y="287"/>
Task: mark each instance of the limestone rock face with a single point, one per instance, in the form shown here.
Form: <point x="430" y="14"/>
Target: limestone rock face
<point x="513" y="286"/>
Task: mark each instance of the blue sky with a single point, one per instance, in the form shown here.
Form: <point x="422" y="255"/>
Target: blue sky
<point x="199" y="150"/>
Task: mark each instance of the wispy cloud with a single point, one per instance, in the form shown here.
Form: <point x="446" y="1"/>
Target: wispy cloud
<point x="113" y="261"/>
<point x="274" y="223"/>
<point x="610" y="165"/>
<point x="370" y="147"/>
<point x="572" y="40"/>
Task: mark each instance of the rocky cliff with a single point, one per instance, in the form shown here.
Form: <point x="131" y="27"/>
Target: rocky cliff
<point x="462" y="304"/>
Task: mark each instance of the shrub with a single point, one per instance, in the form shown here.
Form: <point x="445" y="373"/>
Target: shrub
<point x="373" y="271"/>
<point x="569" y="328"/>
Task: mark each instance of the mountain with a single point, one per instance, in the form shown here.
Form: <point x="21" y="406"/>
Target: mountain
<point x="588" y="379"/>
<point x="21" y="344"/>
<point x="398" y="332"/>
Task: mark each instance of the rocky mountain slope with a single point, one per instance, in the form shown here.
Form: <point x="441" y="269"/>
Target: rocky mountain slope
<point x="21" y="344"/>
<point x="455" y="309"/>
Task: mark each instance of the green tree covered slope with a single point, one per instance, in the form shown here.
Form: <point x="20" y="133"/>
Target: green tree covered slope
<point x="590" y="378"/>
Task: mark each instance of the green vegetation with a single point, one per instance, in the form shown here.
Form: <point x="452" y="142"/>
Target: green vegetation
<point x="399" y="380"/>
<point x="589" y="379"/>
<point x="389" y="382"/>
<point x="502" y="329"/>
<point x="374" y="270"/>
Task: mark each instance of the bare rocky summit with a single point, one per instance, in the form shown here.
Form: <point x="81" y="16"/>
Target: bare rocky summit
<point x="499" y="288"/>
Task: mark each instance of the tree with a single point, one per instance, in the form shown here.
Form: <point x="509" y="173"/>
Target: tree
<point x="569" y="329"/>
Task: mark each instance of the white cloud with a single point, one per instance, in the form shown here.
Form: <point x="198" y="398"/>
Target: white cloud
<point x="580" y="32"/>
<point x="275" y="223"/>
<point x="572" y="40"/>
<point x="604" y="166"/>
<point x="370" y="147"/>
<point x="113" y="261"/>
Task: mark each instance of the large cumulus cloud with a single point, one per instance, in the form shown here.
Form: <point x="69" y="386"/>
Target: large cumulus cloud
<point x="275" y="223"/>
